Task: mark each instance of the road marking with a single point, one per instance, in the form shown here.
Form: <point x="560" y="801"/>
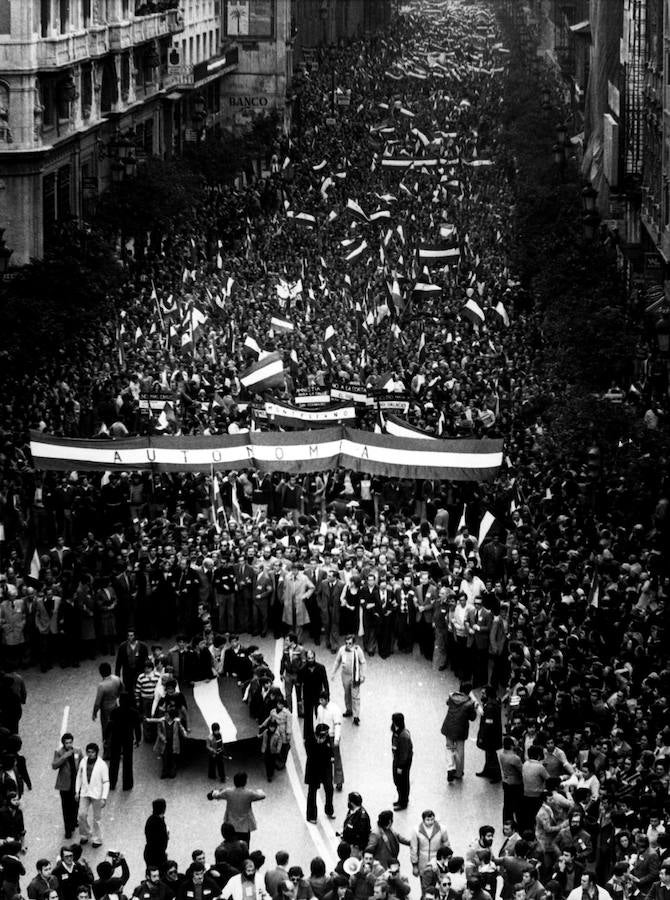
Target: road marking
<point x="63" y="723"/>
<point x="292" y="770"/>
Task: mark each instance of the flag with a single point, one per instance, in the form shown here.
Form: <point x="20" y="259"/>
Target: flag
<point x="35" y="565"/>
<point x="400" y="428"/>
<point x="354" y="208"/>
<point x="235" y="503"/>
<point x="502" y="312"/>
<point x="422" y="348"/>
<point x="302" y="218"/>
<point x="217" y="501"/>
<point x="280" y="324"/>
<point x="265" y="373"/>
<point x="438" y="253"/>
<point x="485" y="526"/>
<point x="425" y="289"/>
<point x="473" y="312"/>
<point x="252" y="344"/>
<point x="380" y="214"/>
<point x="329" y="335"/>
<point x="594" y="592"/>
<point x="357" y="251"/>
<point x="462" y="523"/>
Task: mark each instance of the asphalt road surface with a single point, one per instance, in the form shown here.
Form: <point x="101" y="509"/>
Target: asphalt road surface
<point x="403" y="683"/>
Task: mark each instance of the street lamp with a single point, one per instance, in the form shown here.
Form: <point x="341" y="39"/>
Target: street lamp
<point x="561" y="134"/>
<point x="545" y="98"/>
<point x="5" y="254"/>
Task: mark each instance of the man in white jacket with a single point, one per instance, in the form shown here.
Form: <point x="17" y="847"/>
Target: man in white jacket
<point x="92" y="790"/>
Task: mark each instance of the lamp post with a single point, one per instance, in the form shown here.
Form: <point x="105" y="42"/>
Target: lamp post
<point x="561" y="134"/>
<point x="545" y="98"/>
<point x="589" y="197"/>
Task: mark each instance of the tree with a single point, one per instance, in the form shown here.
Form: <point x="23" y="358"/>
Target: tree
<point x="55" y="300"/>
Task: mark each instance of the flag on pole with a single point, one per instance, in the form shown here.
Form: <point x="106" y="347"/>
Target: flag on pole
<point x="354" y="208"/>
<point x="280" y="324"/>
<point x="594" y="592"/>
<point x="329" y="335"/>
<point x="502" y="312"/>
<point x="422" y="347"/>
<point x="357" y="251"/>
<point x="473" y="311"/>
<point x="234" y="502"/>
<point x="216" y="500"/>
<point x="461" y="522"/>
<point x="252" y="344"/>
<point x="265" y="373"/>
<point x="485" y="526"/>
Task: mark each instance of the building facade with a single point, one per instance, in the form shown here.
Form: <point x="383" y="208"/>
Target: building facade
<point x="81" y="88"/>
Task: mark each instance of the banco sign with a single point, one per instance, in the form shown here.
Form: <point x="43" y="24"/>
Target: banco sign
<point x="248" y="102"/>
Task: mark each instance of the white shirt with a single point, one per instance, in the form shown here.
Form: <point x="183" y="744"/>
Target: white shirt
<point x="330" y="715"/>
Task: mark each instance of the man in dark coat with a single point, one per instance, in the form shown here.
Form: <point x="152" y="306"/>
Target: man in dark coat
<point x="456" y="726"/>
<point x="130" y="659"/>
<point x="356" y="829"/>
<point x="319" y="771"/>
<point x="125" y="731"/>
<point x="156" y="835"/>
<point x="313" y="681"/>
<point x="403" y="751"/>
<point x="489" y="737"/>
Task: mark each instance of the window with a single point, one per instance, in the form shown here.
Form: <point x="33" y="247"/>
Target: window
<point x="64" y="15"/>
<point x="5" y="17"/>
<point x="217" y="42"/>
<point x="45" y="17"/>
<point x="197" y="48"/>
<point x="86" y="90"/>
<point x="63" y="183"/>
<point x="125" y="74"/>
<point x="148" y="139"/>
<point x="49" y="201"/>
<point x="86" y="13"/>
<point x="249" y="18"/>
<point x="47" y="101"/>
<point x="190" y="50"/>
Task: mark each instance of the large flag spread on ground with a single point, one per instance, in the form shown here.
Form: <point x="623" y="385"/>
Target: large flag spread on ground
<point x="362" y="451"/>
<point x="265" y="373"/>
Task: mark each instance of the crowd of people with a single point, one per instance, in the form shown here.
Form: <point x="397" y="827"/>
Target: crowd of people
<point x="558" y="613"/>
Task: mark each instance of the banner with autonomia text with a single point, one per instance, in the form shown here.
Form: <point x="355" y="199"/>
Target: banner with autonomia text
<point x="297" y="452"/>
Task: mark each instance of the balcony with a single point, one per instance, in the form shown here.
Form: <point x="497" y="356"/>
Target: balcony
<point x="156" y="25"/>
<point x="63" y="50"/>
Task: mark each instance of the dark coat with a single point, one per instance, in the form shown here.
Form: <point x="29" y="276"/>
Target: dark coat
<point x="156" y="836"/>
<point x="489" y="736"/>
<point x="319" y="763"/>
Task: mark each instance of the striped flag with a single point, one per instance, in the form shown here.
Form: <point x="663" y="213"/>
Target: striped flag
<point x="485" y="526"/>
<point x="329" y="335"/>
<point x="354" y="208"/>
<point x="235" y="502"/>
<point x="252" y="344"/>
<point x="380" y="214"/>
<point x="360" y="248"/>
<point x="399" y="428"/>
<point x="422" y="347"/>
<point x="426" y="289"/>
<point x="502" y="312"/>
<point x="302" y="218"/>
<point x="216" y="500"/>
<point x="473" y="311"/>
<point x="264" y="373"/>
<point x="280" y="324"/>
<point x="594" y="592"/>
<point x="439" y="254"/>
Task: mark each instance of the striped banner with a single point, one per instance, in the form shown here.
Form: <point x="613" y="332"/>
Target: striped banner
<point x="266" y="372"/>
<point x="297" y="452"/>
<point x="395" y="426"/>
<point x="285" y="414"/>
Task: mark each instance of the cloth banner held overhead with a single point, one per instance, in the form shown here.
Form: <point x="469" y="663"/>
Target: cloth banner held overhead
<point x="299" y="451"/>
<point x="286" y="415"/>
